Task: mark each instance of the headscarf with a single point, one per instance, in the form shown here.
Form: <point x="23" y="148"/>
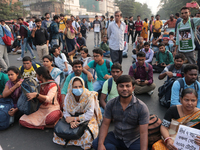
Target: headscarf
<point x="84" y="103"/>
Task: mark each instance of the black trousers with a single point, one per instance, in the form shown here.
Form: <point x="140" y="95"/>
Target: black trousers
<point x="158" y="68"/>
<point x="156" y="35"/>
<point x="150" y="35"/>
<point x="131" y="33"/>
<point x="116" y="56"/>
<point x="136" y="33"/>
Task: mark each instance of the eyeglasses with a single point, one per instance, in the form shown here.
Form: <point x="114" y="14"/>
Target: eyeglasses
<point x="184" y="13"/>
<point x="96" y="56"/>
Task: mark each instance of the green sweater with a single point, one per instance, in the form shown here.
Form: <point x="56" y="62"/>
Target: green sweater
<point x="3" y="79"/>
<point x="104" y="46"/>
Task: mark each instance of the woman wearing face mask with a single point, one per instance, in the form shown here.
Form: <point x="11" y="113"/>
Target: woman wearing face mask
<point x="55" y="73"/>
<point x="187" y="111"/>
<point x="80" y="104"/>
<point x="49" y="111"/>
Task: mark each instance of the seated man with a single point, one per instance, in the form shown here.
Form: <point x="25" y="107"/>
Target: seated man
<point x="16" y="45"/>
<point x="60" y="61"/>
<point x="137" y="46"/>
<point x="163" y="59"/>
<point x="28" y="69"/>
<point x="3" y="79"/>
<point x="81" y="41"/>
<point x="109" y="90"/>
<point x="189" y="81"/>
<point x="104" y="46"/>
<point x="149" y="52"/>
<point x="174" y="70"/>
<point x="143" y="74"/>
<point x="130" y="116"/>
<point x="77" y="67"/>
<point x="102" y="68"/>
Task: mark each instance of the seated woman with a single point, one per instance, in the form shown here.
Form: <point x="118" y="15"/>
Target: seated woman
<point x="80" y="100"/>
<point x="13" y="90"/>
<point x="55" y="73"/>
<point x="49" y="111"/>
<point x="188" y="109"/>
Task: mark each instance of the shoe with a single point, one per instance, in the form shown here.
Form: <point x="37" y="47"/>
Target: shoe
<point x="20" y="58"/>
<point x="34" y="57"/>
<point x="150" y="93"/>
<point x="95" y="46"/>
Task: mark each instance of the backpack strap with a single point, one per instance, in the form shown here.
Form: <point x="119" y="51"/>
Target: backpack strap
<point x="171" y="67"/>
<point x="196" y="86"/>
<point x="95" y="64"/>
<point x="167" y="55"/>
<point x="192" y="25"/>
<point x="108" y="66"/>
<point x="147" y="70"/>
<point x="34" y="66"/>
<point x="109" y="85"/>
<point x="181" y="82"/>
<point x="134" y="68"/>
<point x="22" y="70"/>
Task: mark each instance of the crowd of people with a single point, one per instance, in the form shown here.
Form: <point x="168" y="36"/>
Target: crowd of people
<point x="95" y="89"/>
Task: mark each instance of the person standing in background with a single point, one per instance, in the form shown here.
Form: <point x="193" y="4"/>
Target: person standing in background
<point x="131" y="27"/>
<point x="103" y="28"/>
<point x="156" y="27"/>
<point x="62" y="26"/>
<point x="144" y="32"/>
<point x="97" y="28"/>
<point x="150" y="27"/>
<point x="138" y="27"/>
<point x="47" y="22"/>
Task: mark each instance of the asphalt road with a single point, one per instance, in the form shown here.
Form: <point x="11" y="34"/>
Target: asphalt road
<point x="20" y="138"/>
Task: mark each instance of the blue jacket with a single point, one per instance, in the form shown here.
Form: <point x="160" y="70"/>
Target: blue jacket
<point x="55" y="30"/>
<point x="1" y="35"/>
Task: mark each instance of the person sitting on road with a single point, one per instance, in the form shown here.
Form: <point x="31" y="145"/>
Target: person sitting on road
<point x="60" y="61"/>
<point x="143" y="74"/>
<point x="179" y="113"/>
<point x="174" y="70"/>
<point x="163" y="59"/>
<point x="28" y="70"/>
<point x="102" y="68"/>
<point x="13" y="89"/>
<point x="125" y="50"/>
<point x="149" y="53"/>
<point x="49" y="111"/>
<point x="81" y="105"/>
<point x="77" y="68"/>
<point x="130" y="117"/>
<point x="104" y="46"/>
<point x="55" y="73"/>
<point x="138" y="45"/>
<point x="86" y="58"/>
<point x="3" y="80"/>
<point x="81" y="41"/>
<point x="16" y="45"/>
<point x="188" y="81"/>
<point x="109" y="90"/>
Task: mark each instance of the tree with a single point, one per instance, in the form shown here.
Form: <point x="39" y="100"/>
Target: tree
<point x="11" y="11"/>
<point x="168" y="7"/>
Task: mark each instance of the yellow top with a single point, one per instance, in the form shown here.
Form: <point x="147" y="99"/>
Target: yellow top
<point x="62" y="25"/>
<point x="29" y="73"/>
<point x="157" y="24"/>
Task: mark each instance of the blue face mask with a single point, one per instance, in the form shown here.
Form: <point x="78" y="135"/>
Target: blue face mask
<point x="77" y="92"/>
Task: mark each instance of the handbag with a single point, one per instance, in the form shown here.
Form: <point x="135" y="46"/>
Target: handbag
<point x="63" y="130"/>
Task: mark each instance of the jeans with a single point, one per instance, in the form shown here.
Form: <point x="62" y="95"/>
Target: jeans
<point x="97" y="85"/>
<point x="62" y="41"/>
<point x="106" y="53"/>
<point x="96" y="34"/>
<point x="131" y="34"/>
<point x="4" y="61"/>
<point x="136" y="33"/>
<point x="111" y="143"/>
<point x="54" y="42"/>
<point x="24" y="46"/>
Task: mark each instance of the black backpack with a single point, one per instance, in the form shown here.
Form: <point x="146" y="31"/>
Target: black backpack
<point x="164" y="92"/>
<point x="83" y="29"/>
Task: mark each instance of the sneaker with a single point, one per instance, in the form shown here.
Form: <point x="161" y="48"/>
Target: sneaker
<point x="20" y="58"/>
<point x="95" y="46"/>
<point x="150" y="93"/>
<point x="34" y="57"/>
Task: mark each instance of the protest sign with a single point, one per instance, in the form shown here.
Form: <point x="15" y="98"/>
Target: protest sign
<point x="185" y="138"/>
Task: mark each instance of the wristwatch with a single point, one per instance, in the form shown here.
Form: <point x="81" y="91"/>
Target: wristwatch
<point x="37" y="95"/>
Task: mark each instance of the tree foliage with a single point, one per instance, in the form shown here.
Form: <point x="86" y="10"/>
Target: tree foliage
<point x="168" y="7"/>
<point x="10" y="11"/>
<point x="132" y="8"/>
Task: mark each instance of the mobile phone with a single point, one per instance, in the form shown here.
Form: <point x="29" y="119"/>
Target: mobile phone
<point x="142" y="80"/>
<point x="192" y="5"/>
<point x="34" y="25"/>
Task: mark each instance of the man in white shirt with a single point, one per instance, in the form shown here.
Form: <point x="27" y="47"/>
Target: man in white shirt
<point x="75" y="24"/>
<point x="60" y="61"/>
<point x="5" y="25"/>
<point x="116" y="38"/>
<point x="97" y="28"/>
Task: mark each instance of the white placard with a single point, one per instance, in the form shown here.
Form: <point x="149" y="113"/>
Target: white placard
<point x="185" y="138"/>
<point x="96" y="27"/>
